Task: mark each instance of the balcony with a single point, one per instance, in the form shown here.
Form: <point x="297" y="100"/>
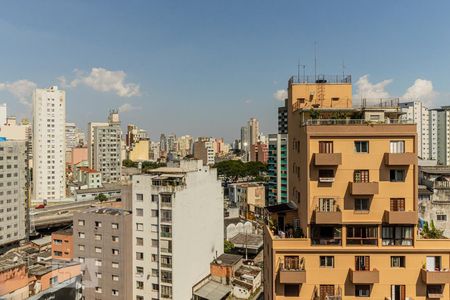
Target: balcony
<point x="435" y="277"/>
<point x="364" y="277"/>
<point x="327" y="159"/>
<point x="328" y="217"/>
<point x="292" y="276"/>
<point x="400" y="159"/>
<point x="400" y="217"/>
<point x="363" y="188"/>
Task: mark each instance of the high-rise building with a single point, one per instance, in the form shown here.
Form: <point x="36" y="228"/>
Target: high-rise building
<point x="71" y="136"/>
<point x="3" y="114"/>
<point x="91" y="140"/>
<point x="102" y="244"/>
<point x="259" y="152"/>
<point x="253" y="130"/>
<point x="49" y="145"/>
<point x="351" y="228"/>
<point x="172" y="143"/>
<point x="278" y="169"/>
<point x="107" y="157"/>
<point x="137" y="143"/>
<point x="443" y="135"/>
<point x="204" y="150"/>
<point x="283" y="118"/>
<point x="173" y="205"/>
<point x="163" y="144"/>
<point x="419" y="114"/>
<point x="184" y="144"/>
<point x="14" y="188"/>
<point x="155" y="150"/>
<point x="245" y="142"/>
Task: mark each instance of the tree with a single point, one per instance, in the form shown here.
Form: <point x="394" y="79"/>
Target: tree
<point x="101" y="197"/>
<point x="431" y="232"/>
<point x="128" y="163"/>
<point x="228" y="246"/>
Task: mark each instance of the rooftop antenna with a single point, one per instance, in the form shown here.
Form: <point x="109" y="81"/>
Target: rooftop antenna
<point x="343" y="69"/>
<point x="298" y="71"/>
<point x="315" y="60"/>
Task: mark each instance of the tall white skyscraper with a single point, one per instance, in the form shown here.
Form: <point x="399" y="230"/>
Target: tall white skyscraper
<point x="3" y="114"/>
<point x="91" y="140"/>
<point x="443" y="135"/>
<point x="253" y="129"/>
<point x="49" y="144"/>
<point x="418" y="113"/>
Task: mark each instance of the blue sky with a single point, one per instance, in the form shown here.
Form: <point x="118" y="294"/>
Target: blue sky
<point x="205" y="67"/>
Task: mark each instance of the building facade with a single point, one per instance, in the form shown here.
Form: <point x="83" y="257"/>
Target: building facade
<point x="259" y="152"/>
<point x="14" y="193"/>
<point x="49" y="144"/>
<point x="102" y="245"/>
<point x="353" y="175"/>
<point x="178" y="229"/>
<point x="204" y="150"/>
<point x="278" y="169"/>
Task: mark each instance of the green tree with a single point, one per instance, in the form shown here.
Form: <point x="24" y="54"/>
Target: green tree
<point x="431" y="232"/>
<point x="101" y="197"/>
<point x="228" y="246"/>
<point x="128" y="163"/>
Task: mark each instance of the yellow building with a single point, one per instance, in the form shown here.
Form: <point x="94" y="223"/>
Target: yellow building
<point x="140" y="151"/>
<point x="351" y="229"/>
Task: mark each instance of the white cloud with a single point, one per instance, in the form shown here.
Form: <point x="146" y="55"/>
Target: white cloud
<point x="422" y="90"/>
<point x="127" y="107"/>
<point x="366" y="89"/>
<point x="280" y="95"/>
<point x="104" y="80"/>
<point x="21" y="89"/>
<point x="248" y="101"/>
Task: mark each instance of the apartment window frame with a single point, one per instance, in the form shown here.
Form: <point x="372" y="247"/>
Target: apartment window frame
<point x="397" y="146"/>
<point x="326" y="147"/>
<point x="398" y="261"/>
<point x="361" y="205"/>
<point x="361" y="146"/>
<point x="397" y="204"/>
<point x="397" y="175"/>
<point x="326" y="261"/>
<point x="397" y="235"/>
<point x="361" y="176"/>
<point x="362" y="290"/>
<point x="362" y="235"/>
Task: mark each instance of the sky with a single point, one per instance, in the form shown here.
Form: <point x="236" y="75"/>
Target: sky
<point x="205" y="67"/>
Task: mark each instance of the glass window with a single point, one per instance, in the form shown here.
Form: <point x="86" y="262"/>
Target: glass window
<point x="362" y="290"/>
<point x="139" y="197"/>
<point x="327" y="261"/>
<point x="361" y="176"/>
<point x="325" y="147"/>
<point x="397" y="175"/>
<point x="397" y="147"/>
<point x="361" y="204"/>
<point x="362" y="146"/>
<point x="397" y="204"/>
<point x="397" y="261"/>
<point x="397" y="235"/>
<point x="362" y="235"/>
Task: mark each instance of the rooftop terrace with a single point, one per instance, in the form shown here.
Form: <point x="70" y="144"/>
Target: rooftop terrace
<point x="324" y="79"/>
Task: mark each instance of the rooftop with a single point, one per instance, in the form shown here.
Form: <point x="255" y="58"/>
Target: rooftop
<point x="436" y="170"/>
<point x="67" y="231"/>
<point x="313" y="122"/>
<point x="108" y="211"/>
<point x="250" y="240"/>
<point x="43" y="240"/>
<point x="324" y="79"/>
<point x="213" y="291"/>
<point x="227" y="259"/>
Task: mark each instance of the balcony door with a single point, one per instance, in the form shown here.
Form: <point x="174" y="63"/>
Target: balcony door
<point x="397" y="147"/>
<point x="398" y="292"/>
<point x="326" y="290"/>
<point x="326" y="147"/>
<point x="433" y="263"/>
<point x="362" y="263"/>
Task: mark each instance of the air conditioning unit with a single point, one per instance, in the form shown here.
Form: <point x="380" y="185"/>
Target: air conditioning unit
<point x="326" y="179"/>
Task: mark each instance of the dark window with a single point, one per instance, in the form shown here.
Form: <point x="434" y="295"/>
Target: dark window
<point x="397" y="204"/>
<point x="362" y="235"/>
<point x="327" y="261"/>
<point x="397" y="235"/>
<point x="362" y="263"/>
<point x="397" y="261"/>
<point x="362" y="290"/>
<point x="291" y="290"/>
<point x="397" y="175"/>
<point x="361" y="204"/>
<point x="326" y="173"/>
<point x="326" y="290"/>
<point x="362" y="146"/>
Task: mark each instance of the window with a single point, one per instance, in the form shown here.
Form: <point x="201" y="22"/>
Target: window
<point x="81" y="235"/>
<point x="291" y="290"/>
<point x="362" y="235"/>
<point x="398" y="292"/>
<point x="114" y="225"/>
<point x="362" y="146"/>
<point x="397" y="235"/>
<point x="115" y="277"/>
<point x="139" y="297"/>
<point x="115" y="251"/>
<point x="397" y="204"/>
<point x="327" y="261"/>
<point x="115" y="239"/>
<point x="139" y="255"/>
<point x="361" y="176"/>
<point x="397" y="175"/>
<point x="291" y="263"/>
<point x="155" y="198"/>
<point x="140" y="270"/>
<point x="115" y="265"/>
<point x="98" y="237"/>
<point x="362" y="290"/>
<point x="362" y="263"/>
<point x="98" y="224"/>
<point x="139" y="285"/>
<point x="325" y="147"/>
<point x="326" y="204"/>
<point x="155" y="287"/>
<point x="139" y="227"/>
<point x="81" y="259"/>
<point x="57" y="242"/>
<point x="115" y="292"/>
<point x="361" y="204"/>
<point x="81" y="247"/>
<point x="325" y="175"/>
<point x="140" y="197"/>
<point x="54" y="280"/>
<point x="397" y="261"/>
<point x="57" y="253"/>
<point x="139" y="212"/>
<point x="441" y="217"/>
<point x="98" y="250"/>
<point x="98" y="289"/>
<point x="154" y="243"/>
<point x="326" y="291"/>
<point x="139" y="241"/>
<point x="154" y="213"/>
<point x="98" y="262"/>
<point x="98" y="275"/>
<point x="397" y="147"/>
<point x="81" y="222"/>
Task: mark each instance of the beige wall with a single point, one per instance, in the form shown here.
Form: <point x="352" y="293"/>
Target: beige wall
<point x="333" y="95"/>
<point x="140" y="151"/>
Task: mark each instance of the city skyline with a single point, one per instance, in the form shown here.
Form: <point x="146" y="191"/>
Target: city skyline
<point x="181" y="60"/>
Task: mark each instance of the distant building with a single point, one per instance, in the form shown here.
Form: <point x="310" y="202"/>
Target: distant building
<point x="137" y="143"/>
<point x="71" y="135"/>
<point x="249" y="197"/>
<point x="259" y="152"/>
<point x="102" y="244"/>
<point x="91" y="140"/>
<point x="62" y="244"/>
<point x="49" y="166"/>
<point x="172" y="205"/>
<point x="204" y="150"/>
<point x="3" y="114"/>
<point x="87" y="177"/>
<point x="107" y="149"/>
<point x="253" y="130"/>
<point x="278" y="169"/>
<point x="14" y="188"/>
<point x="283" y="118"/>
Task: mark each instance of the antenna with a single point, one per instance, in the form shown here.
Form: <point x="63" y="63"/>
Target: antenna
<point x="315" y="60"/>
<point x="298" y="71"/>
<point x="343" y="69"/>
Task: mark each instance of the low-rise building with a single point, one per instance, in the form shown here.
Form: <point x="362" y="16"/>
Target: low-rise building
<point x="250" y="197"/>
<point x="62" y="244"/>
<point x="88" y="178"/>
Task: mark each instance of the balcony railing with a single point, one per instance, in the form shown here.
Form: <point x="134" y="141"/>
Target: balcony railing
<point x="166" y="250"/>
<point x="353" y="122"/>
<point x="166" y="234"/>
<point x="334" y="216"/>
<point x="321" y="79"/>
<point x="433" y="184"/>
<point x="435" y="277"/>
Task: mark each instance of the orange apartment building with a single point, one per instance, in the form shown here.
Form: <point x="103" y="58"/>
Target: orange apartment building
<point x="351" y="229"/>
<point x="62" y="244"/>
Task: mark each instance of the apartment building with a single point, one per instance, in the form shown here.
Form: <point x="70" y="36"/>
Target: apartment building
<point x="443" y="135"/>
<point x="106" y="149"/>
<point x="102" y="244"/>
<point x="353" y="176"/>
<point x="249" y="197"/>
<point x="14" y="185"/>
<point x="283" y="118"/>
<point x="278" y="169"/>
<point x="62" y="244"/>
<point x="3" y="114"/>
<point x="91" y="140"/>
<point x="204" y="150"/>
<point x="49" y="145"/>
<point x="420" y="115"/>
<point x="259" y="152"/>
<point x="178" y="229"/>
<point x="253" y="130"/>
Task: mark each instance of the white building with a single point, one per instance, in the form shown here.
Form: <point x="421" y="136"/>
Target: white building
<point x="13" y="192"/>
<point x="91" y="140"/>
<point x="418" y="113"/>
<point x="71" y="135"/>
<point x="3" y="114"/>
<point x="49" y="120"/>
<point x="204" y="150"/>
<point x="178" y="219"/>
<point x="443" y="135"/>
<point x="107" y="149"/>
